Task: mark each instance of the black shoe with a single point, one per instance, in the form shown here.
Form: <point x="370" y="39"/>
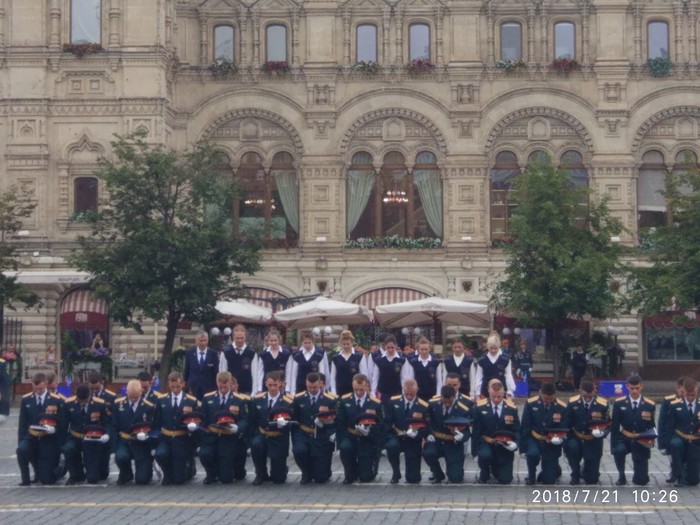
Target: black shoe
<point x="35" y="480"/>
<point x="670" y="479"/>
<point x="121" y="482"/>
<point x="395" y="480"/>
<point x="438" y="480"/>
<point x="678" y="483"/>
<point x="348" y="481"/>
<point x="529" y="481"/>
<point x="209" y="481"/>
<point x="73" y="481"/>
<point x="575" y="480"/>
<point x="621" y="481"/>
<point x="305" y="479"/>
<point x="431" y="478"/>
<point x="481" y="481"/>
<point x="23" y="484"/>
<point x="258" y="480"/>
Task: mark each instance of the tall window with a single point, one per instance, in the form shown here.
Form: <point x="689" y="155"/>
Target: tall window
<point x="223" y="43"/>
<point x="395" y="202"/>
<point x="564" y="40"/>
<point x="85" y="21"/>
<point x="511" y="41"/>
<point x="85" y="193"/>
<point x="276" y="43"/>
<point x="572" y="161"/>
<point x="260" y="208"/>
<point x="504" y="172"/>
<point x="538" y="157"/>
<point x="657" y="40"/>
<point x="419" y="42"/>
<point x="366" y="43"/>
<point x="651" y="204"/>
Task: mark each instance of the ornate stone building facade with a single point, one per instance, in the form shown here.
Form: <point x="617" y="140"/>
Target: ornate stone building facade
<point x="347" y="120"/>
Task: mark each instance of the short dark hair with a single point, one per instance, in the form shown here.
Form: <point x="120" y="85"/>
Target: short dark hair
<point x="689" y="384"/>
<point x="174" y="375"/>
<point x="94" y="377"/>
<point x="548" y="389"/>
<point x="453" y="375"/>
<point x="39" y="378"/>
<point x="390" y="338"/>
<point x="82" y="392"/>
<point x="313" y="377"/>
<point x="448" y="391"/>
<point x="680" y="380"/>
<point x="275" y="375"/>
<point x="360" y="378"/>
<point x="634" y="380"/>
<point x="143" y="376"/>
<point x="587" y="386"/>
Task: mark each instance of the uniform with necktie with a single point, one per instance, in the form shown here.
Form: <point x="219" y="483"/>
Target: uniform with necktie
<point x="83" y="457"/>
<point x="582" y="445"/>
<point x="176" y="446"/>
<point x="223" y="455"/>
<point x="630" y="418"/>
<point x="665" y="431"/>
<point x="683" y="423"/>
<point x="201" y="367"/>
<point x="42" y="451"/>
<point x="427" y="375"/>
<point x="444" y="444"/>
<point x="105" y="452"/>
<point x="398" y="413"/>
<point x="493" y="459"/>
<point x="312" y="445"/>
<point x="243" y="364"/>
<point x="358" y="453"/>
<point x="269" y="441"/>
<point x="124" y="415"/>
<point x="538" y="417"/>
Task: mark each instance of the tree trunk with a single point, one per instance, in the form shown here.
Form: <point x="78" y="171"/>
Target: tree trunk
<point x="171" y="328"/>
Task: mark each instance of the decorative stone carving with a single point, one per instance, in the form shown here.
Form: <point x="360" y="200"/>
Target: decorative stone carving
<point x="254" y="125"/>
<point x="672" y="123"/>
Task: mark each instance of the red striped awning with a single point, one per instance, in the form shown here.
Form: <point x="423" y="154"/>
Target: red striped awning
<point x="374" y="298"/>
<point x="258" y="296"/>
<point x="83" y="301"/>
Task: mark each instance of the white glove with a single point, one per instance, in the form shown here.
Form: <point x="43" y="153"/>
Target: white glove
<point x="331" y="438"/>
<point x="412" y="433"/>
<point x="234" y="428"/>
<point x="104" y="438"/>
<point x="518" y="372"/>
<point x="2" y="419"/>
<point x="597" y="433"/>
<point x="318" y="422"/>
<point x="459" y="437"/>
<point x="191" y="426"/>
<point x="430" y="438"/>
<point x="556" y="440"/>
<point x="362" y="429"/>
<point x="512" y="446"/>
<point x="281" y="422"/>
<point x="50" y="430"/>
<point x="141" y="436"/>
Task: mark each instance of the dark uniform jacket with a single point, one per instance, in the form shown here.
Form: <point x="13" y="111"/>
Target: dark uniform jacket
<point x="76" y="420"/>
<point x="438" y="418"/>
<point x="626" y="423"/>
<point x="681" y="421"/>
<point x="348" y="410"/>
<point x="29" y="413"/>
<point x="237" y="404"/>
<point x="305" y="414"/>
<point x="123" y="417"/>
<point x="578" y="418"/>
<point x="397" y="415"/>
<point x="260" y="414"/>
<point x="486" y="424"/>
<point x="537" y="419"/>
<point x="201" y="379"/>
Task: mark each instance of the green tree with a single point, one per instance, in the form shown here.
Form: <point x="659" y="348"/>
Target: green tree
<point x="14" y="208"/>
<point x="561" y="261"/>
<point x="162" y="244"/>
<point x="667" y="277"/>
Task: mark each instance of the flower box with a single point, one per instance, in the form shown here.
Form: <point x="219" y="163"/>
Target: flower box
<point x="367" y="67"/>
<point x="222" y="67"/>
<point x="276" y="66"/>
<point x="565" y="65"/>
<point x="419" y="66"/>
<point x="80" y="50"/>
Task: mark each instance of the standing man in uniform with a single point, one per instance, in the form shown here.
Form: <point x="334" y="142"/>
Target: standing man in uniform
<point x="587" y="417"/>
<point x="223" y="451"/>
<point x="360" y="441"/>
<point x="39" y="447"/>
<point x="312" y="446"/>
<point x="542" y="415"/>
<point x="493" y="365"/>
<point x="407" y="422"/>
<point x="461" y="364"/>
<point x="240" y="360"/>
<point x="132" y="421"/>
<point x="631" y="416"/>
<point x="426" y="370"/>
<point x="523" y="363"/>
<point x="494" y="438"/>
<point x="271" y="438"/>
<point x="309" y="358"/>
<point x="345" y="365"/>
<point x="201" y="367"/>
<point x="684" y="423"/>
<point x="446" y="439"/>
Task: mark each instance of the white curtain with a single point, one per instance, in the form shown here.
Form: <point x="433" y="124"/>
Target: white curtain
<point x="430" y="191"/>
<point x="650" y="186"/>
<point x="360" y="184"/>
<point x="85" y="21"/>
<point x="288" y="190"/>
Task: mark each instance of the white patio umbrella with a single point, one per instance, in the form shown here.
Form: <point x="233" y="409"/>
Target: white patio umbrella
<point x="241" y="311"/>
<point x="432" y="310"/>
<point x="323" y="311"/>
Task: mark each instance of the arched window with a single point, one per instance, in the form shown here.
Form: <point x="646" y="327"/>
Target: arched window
<point x="366" y="43"/>
<point x="395" y="202"/>
<point x="276" y="43"/>
<point x="572" y="161"/>
<point x="657" y="39"/>
<point x="419" y="42"/>
<point x="685" y="161"/>
<point x="86" y="21"/>
<point x="285" y="190"/>
<point x="223" y="43"/>
<point x="538" y="157"/>
<point x="85" y="194"/>
<point x="511" y="41"/>
<point x="564" y="40"/>
<point x="651" y="204"/>
<point x="504" y="172"/>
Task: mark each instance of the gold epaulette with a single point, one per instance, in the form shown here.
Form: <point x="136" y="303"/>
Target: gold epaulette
<point x="671" y="397"/>
<point x="191" y="397"/>
<point x="288" y="398"/>
<point x="160" y="395"/>
<point x="532" y="399"/>
<point x="120" y="399"/>
<point x="260" y="394"/>
<point x="110" y="392"/>
<point x="621" y="398"/>
<point x="244" y="397"/>
<point x="574" y="399"/>
<point x="147" y="403"/>
<point x="347" y="396"/>
<point x="676" y="401"/>
<point x="482" y="402"/>
<point x="648" y="400"/>
<point x="561" y="403"/>
<point x="300" y="394"/>
<point x="1" y="360"/>
<point x="395" y="398"/>
<point x="71" y="399"/>
<point x="330" y="395"/>
<point x="462" y="406"/>
<point x="436" y="398"/>
<point x="374" y="399"/>
<point x="98" y="399"/>
<point x="601" y="400"/>
<point x="30" y="394"/>
<point x="211" y="394"/>
<point x="56" y="396"/>
<point x="510" y="403"/>
<point x="422" y="402"/>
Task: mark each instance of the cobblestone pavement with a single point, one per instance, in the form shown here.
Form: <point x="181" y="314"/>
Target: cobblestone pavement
<point x="370" y="503"/>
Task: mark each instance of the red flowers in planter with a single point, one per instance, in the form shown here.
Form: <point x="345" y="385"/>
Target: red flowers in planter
<point x="565" y="65"/>
<point x="81" y="50"/>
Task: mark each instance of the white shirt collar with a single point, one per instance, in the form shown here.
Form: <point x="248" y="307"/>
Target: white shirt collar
<point x="425" y="361"/>
<point x="308" y="353"/>
<point x="492" y="358"/>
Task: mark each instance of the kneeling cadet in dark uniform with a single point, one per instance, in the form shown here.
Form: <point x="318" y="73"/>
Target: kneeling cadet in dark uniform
<point x="496" y="427"/>
<point x="665" y="430"/>
<point x="132" y="422"/>
<point x="588" y="420"/>
<point x="360" y="432"/>
<point x="312" y="438"/>
<point x="96" y="382"/>
<point x="542" y="434"/>
<point x="684" y="428"/>
<point x="84" y="447"/>
<point x="632" y="418"/>
<point x="270" y="413"/>
<point x="223" y="450"/>
<point x="407" y="426"/>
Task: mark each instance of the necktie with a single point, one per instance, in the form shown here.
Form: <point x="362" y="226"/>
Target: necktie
<point x="409" y="404"/>
<point x="690" y="407"/>
<point x="634" y="406"/>
<point x="588" y="407"/>
<point x="84" y="410"/>
<point x="495" y="410"/>
<point x="313" y="401"/>
<point x="272" y="402"/>
<point x="359" y="403"/>
<point x="175" y="402"/>
<point x="38" y="401"/>
<point x="223" y="400"/>
<point x="133" y="406"/>
<point x="201" y="358"/>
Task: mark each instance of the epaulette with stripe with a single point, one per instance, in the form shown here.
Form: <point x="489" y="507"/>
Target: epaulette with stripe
<point x="482" y="402"/>
<point x="422" y="402"/>
<point x="601" y="400"/>
<point x="621" y="398"/>
<point x="30" y="394"/>
<point x="160" y="395"/>
<point x="260" y="394"/>
<point x="110" y="392"/>
<point x="191" y="397"/>
<point x="462" y="406"/>
<point x="330" y="395"/>
<point x="574" y="399"/>
<point x="148" y="403"/>
<point x="532" y="399"/>
<point x="395" y="398"/>
<point x="436" y="398"/>
<point x="374" y="399"/>
<point x="244" y="397"/>
<point x="98" y="399"/>
<point x="120" y="399"/>
<point x="71" y="399"/>
<point x="346" y="396"/>
<point x="561" y="403"/>
<point x="288" y="398"/>
<point x="671" y="397"/>
<point x="211" y="394"/>
<point x="56" y="396"/>
<point x="648" y="400"/>
<point x="676" y="401"/>
<point x="511" y="403"/>
<point x="300" y="394"/>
